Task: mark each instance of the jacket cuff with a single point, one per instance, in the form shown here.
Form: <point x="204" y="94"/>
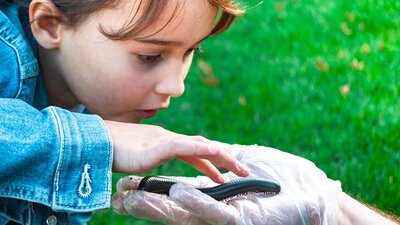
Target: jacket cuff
<point x="83" y="175"/>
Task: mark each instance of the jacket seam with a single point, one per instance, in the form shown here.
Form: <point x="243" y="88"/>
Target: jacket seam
<point x="60" y="158"/>
<point x="19" y="64"/>
<point x="20" y="187"/>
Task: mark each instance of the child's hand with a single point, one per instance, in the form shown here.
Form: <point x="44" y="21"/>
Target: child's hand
<point x="139" y="148"/>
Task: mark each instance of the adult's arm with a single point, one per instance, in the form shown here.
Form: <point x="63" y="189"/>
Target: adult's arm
<point x="353" y="212"/>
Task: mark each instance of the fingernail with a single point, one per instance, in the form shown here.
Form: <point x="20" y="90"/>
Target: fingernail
<point x="213" y="149"/>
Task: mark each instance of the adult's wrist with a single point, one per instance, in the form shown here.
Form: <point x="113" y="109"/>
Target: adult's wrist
<point x="352" y="212"/>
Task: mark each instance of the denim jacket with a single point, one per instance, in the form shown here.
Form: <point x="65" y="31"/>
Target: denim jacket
<point x="55" y="165"/>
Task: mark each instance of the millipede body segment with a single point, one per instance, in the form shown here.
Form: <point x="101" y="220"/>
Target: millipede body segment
<point x="242" y="186"/>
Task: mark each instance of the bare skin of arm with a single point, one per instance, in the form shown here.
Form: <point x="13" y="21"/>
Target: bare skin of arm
<point x="354" y="212"/>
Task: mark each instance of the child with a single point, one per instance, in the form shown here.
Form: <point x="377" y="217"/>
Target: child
<point x="120" y="60"/>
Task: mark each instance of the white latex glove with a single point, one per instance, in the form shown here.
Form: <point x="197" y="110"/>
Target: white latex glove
<point x="307" y="196"/>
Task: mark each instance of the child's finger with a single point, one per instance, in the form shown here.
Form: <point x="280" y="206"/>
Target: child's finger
<point x="205" y="167"/>
<point x="227" y="161"/>
<point x="207" y="151"/>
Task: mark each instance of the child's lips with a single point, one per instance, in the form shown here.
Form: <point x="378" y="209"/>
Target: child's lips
<point x="145" y="114"/>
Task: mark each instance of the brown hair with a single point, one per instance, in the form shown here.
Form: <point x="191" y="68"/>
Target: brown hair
<point x="74" y="12"/>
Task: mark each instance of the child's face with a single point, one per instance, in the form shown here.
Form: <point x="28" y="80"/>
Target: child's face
<point x="131" y="80"/>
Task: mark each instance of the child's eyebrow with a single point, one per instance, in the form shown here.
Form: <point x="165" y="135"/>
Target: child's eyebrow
<point x="156" y="41"/>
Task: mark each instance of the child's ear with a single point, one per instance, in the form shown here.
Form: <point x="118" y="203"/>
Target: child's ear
<point x="45" y="23"/>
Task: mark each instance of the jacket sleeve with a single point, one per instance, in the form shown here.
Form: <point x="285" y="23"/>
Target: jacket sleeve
<point x="54" y="157"/>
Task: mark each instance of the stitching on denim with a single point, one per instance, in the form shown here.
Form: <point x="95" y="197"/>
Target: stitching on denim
<point x="27" y="188"/>
<point x="29" y="213"/>
<point x="60" y="159"/>
<point x="10" y="40"/>
<point x="110" y="154"/>
<point x="85" y="189"/>
<point x="62" y="205"/>
<point x="19" y="63"/>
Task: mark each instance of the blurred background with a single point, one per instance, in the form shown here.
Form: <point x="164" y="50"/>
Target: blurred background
<point x="316" y="78"/>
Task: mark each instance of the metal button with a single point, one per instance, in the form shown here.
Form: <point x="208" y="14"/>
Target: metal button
<point x="51" y="220"/>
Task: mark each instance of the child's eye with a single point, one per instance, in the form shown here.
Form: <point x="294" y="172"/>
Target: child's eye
<point x="149" y="59"/>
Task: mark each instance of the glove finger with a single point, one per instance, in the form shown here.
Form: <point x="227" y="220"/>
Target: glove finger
<point x="158" y="208"/>
<point x="117" y="202"/>
<point x="128" y="183"/>
<point x="202" y="205"/>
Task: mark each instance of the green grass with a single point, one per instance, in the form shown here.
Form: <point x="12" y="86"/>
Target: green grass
<point x="283" y="69"/>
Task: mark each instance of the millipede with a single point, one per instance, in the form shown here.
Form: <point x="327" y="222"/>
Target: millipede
<point x="227" y="190"/>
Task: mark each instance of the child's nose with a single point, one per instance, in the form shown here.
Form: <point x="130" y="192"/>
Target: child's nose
<point x="171" y="83"/>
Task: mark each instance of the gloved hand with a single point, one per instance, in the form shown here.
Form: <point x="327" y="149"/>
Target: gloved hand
<point x="307" y="196"/>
